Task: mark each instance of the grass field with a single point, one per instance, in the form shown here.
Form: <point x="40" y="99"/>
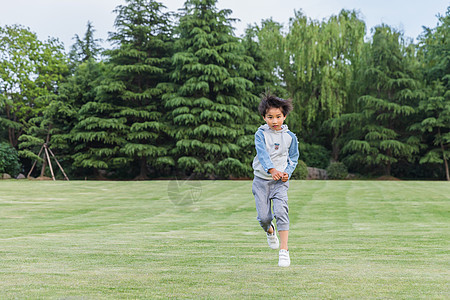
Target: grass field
<point x="200" y="239"/>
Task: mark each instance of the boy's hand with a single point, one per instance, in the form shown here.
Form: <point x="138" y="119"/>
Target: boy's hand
<point x="285" y="177"/>
<point x="276" y="175"/>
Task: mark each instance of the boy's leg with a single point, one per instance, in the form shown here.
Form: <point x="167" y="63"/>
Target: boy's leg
<point x="281" y="210"/>
<point x="261" y="189"/>
<point x="284" y="236"/>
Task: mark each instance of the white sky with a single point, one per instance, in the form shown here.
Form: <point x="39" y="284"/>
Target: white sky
<point x="65" y="18"/>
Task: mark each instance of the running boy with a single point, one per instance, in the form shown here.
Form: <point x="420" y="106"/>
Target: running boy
<point x="276" y="158"/>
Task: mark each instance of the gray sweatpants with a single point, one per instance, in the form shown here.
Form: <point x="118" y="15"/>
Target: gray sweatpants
<point x="266" y="192"/>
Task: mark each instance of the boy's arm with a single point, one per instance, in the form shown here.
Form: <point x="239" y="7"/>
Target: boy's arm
<point x="293" y="155"/>
<point x="261" y="152"/>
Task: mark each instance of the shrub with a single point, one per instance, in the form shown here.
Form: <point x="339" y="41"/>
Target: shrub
<point x="337" y="170"/>
<point x="314" y="155"/>
<point x="232" y="167"/>
<point x="301" y="171"/>
<point x="9" y="160"/>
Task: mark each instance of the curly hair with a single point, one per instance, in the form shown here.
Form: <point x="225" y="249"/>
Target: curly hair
<point x="269" y="100"/>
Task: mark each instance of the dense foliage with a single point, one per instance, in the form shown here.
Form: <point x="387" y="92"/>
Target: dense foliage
<point x="301" y="171"/>
<point x="9" y="160"/>
<point x="211" y="108"/>
<point x="177" y="94"/>
<point x="337" y="170"/>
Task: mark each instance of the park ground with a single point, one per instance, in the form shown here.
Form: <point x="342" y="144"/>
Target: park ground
<point x="200" y="239"/>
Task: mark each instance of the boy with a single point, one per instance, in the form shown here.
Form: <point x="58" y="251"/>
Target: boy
<point x="276" y="158"/>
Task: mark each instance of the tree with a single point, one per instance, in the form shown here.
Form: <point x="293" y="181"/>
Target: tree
<point x="9" y="160"/>
<point x="30" y="71"/>
<point x="317" y="64"/>
<point x="262" y="77"/>
<point x="435" y="125"/>
<point x="56" y="123"/>
<point x="212" y="108"/>
<point x="98" y="137"/>
<point x="137" y="79"/>
<point x="316" y="61"/>
<point x="435" y="107"/>
<point x="392" y="90"/>
<point x="67" y="110"/>
<point x="86" y="48"/>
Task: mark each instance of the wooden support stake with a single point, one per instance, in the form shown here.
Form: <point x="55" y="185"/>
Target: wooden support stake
<point x="60" y="167"/>
<point x="49" y="162"/>
<point x="39" y="155"/>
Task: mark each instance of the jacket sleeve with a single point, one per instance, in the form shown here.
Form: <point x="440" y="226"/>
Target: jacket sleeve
<point x="261" y="151"/>
<point x="293" y="155"/>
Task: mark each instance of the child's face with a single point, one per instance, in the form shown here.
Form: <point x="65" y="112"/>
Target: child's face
<point x="274" y="118"/>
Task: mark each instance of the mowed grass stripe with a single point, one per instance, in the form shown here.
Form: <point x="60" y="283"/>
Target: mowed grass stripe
<point x="176" y="239"/>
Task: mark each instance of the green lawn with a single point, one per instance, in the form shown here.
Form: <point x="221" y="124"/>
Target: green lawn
<point x="200" y="239"/>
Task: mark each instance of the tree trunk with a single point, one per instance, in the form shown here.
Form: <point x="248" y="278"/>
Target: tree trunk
<point x="388" y="166"/>
<point x="143" y="169"/>
<point x="335" y="147"/>
<point x="143" y="164"/>
<point x="447" y="175"/>
<point x="11" y="136"/>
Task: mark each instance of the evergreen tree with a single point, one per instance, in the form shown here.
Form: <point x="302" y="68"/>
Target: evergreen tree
<point x="139" y="67"/>
<point x="379" y="135"/>
<point x="63" y="115"/>
<point x="57" y="122"/>
<point x="99" y="136"/>
<point x="435" y="107"/>
<point x="85" y="48"/>
<point x="212" y="110"/>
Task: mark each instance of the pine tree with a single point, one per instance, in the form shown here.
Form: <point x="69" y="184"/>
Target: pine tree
<point x="63" y="115"/>
<point x="379" y="131"/>
<point x="86" y="48"/>
<point x="139" y="67"/>
<point x="99" y="137"/>
<point x="435" y="107"/>
<point x="212" y="108"/>
<point x="58" y="122"/>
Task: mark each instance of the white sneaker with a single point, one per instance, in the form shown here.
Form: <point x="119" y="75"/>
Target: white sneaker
<point x="272" y="239"/>
<point x="284" y="260"/>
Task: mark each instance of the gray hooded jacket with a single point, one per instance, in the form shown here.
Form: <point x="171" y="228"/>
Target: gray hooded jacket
<point x="275" y="149"/>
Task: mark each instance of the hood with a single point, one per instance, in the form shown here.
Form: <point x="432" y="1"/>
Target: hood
<point x="265" y="127"/>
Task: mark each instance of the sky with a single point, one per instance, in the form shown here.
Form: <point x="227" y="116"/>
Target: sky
<point x="63" y="19"/>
